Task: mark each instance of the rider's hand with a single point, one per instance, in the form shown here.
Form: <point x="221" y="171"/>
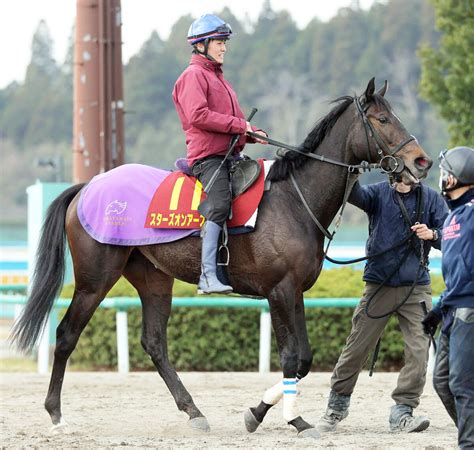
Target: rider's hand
<point x="430" y="323"/>
<point x="260" y="132"/>
<point x="423" y="232"/>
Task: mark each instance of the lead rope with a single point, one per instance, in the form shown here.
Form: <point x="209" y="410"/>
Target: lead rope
<point x="350" y="181"/>
<point x="308" y="209"/>
<point x="421" y="266"/>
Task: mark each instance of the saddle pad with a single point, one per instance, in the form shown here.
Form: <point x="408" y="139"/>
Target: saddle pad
<point x="113" y="207"/>
<point x="176" y="200"/>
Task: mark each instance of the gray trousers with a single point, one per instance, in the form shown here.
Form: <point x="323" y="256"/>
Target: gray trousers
<point x="366" y="331"/>
<point x="216" y="207"/>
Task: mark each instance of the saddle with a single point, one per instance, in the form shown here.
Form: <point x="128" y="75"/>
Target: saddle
<point x="115" y="208"/>
<point x="243" y="173"/>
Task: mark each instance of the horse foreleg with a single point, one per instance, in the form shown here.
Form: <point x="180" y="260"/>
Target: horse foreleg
<point x="305" y="354"/>
<point x="155" y="291"/>
<point x="283" y="314"/>
<point x="254" y="416"/>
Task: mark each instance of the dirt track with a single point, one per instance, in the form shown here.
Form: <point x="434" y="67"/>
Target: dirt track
<point x="110" y="410"/>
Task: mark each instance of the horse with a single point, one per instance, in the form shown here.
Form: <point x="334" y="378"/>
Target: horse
<point x="279" y="261"/>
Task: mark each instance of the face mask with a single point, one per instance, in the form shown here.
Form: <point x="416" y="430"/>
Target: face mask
<point x="443" y="183"/>
<point x="443" y="180"/>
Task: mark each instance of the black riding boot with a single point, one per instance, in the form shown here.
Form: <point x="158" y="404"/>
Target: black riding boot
<point x="208" y="282"/>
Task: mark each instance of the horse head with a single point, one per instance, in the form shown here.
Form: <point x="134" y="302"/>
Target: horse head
<point x="383" y="138"/>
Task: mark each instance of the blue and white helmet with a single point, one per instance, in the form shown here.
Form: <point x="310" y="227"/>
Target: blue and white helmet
<point x="208" y="26"/>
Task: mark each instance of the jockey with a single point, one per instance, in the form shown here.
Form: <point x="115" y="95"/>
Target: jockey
<point x="453" y="375"/>
<point x="210" y="115"/>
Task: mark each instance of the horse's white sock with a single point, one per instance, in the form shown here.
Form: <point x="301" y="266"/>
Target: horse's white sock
<point x="290" y="410"/>
<point x="274" y="394"/>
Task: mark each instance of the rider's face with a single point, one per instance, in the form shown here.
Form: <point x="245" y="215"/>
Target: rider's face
<point x="217" y="49"/>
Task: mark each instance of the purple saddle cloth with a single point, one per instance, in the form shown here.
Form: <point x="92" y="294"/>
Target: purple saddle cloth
<point x="113" y="206"/>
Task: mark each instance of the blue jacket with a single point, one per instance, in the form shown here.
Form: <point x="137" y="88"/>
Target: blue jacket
<point x="387" y="227"/>
<point x="458" y="253"/>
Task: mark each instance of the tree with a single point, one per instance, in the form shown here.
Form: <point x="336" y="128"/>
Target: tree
<point x="447" y="78"/>
<point x="42" y="62"/>
<point x="40" y="109"/>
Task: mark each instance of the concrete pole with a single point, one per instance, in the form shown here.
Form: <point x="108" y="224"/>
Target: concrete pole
<point x="86" y="128"/>
<point x="43" y="349"/>
<point x="122" y="342"/>
<point x="98" y="135"/>
<point x="117" y="149"/>
<point x="265" y="342"/>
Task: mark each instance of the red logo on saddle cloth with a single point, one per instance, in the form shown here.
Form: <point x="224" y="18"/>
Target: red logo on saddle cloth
<point x="176" y="200"/>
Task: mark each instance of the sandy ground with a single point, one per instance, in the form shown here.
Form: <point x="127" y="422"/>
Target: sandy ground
<point x="111" y="410"/>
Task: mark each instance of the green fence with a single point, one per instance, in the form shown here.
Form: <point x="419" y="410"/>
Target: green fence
<point x="122" y="304"/>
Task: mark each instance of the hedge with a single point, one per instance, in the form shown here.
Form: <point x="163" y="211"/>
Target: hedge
<point x="216" y="339"/>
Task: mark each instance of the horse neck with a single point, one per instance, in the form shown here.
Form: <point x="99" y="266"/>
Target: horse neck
<point x="323" y="184"/>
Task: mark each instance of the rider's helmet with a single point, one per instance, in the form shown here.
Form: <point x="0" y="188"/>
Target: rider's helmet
<point x="458" y="162"/>
<point x="208" y="26"/>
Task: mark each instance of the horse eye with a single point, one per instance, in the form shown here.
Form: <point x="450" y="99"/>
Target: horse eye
<point x="382" y="119"/>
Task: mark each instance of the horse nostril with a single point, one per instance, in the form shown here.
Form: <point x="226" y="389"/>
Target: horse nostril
<point x="423" y="163"/>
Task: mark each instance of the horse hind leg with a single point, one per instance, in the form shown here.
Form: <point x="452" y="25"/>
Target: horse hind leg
<point x="89" y="291"/>
<point x="155" y="290"/>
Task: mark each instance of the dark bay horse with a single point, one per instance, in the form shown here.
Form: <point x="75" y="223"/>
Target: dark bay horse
<point x="280" y="260"/>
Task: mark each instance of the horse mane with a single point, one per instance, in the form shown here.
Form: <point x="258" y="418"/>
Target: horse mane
<point x="291" y="160"/>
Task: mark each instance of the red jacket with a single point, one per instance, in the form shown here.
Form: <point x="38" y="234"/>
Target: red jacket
<point x="209" y="111"/>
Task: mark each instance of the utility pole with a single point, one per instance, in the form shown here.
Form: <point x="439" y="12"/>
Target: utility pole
<point x="98" y="134"/>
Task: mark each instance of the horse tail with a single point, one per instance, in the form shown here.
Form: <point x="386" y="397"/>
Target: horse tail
<point x="48" y="275"/>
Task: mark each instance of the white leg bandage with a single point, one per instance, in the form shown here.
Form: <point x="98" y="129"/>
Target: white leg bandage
<point x="274" y="394"/>
<point x="290" y="410"/>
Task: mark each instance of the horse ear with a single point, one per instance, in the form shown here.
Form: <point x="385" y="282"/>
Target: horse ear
<point x="369" y="91"/>
<point x="383" y="90"/>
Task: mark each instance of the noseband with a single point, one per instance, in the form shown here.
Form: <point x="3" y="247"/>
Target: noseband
<point x="388" y="162"/>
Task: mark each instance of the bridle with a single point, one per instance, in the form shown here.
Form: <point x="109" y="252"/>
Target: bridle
<point x="389" y="163"/>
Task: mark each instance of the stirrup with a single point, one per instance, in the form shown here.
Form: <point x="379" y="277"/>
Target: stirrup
<point x="223" y="246"/>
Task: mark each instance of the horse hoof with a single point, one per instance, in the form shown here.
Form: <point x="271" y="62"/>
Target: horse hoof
<point x="311" y="433"/>
<point x="251" y="423"/>
<point x="59" y="428"/>
<point x="200" y="423"/>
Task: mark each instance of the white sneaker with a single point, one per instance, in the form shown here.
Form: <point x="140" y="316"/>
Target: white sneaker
<point x="410" y="424"/>
<point x="329" y="422"/>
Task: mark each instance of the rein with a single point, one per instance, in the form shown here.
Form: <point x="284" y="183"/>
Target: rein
<point x="364" y="166"/>
<point x="388" y="164"/>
